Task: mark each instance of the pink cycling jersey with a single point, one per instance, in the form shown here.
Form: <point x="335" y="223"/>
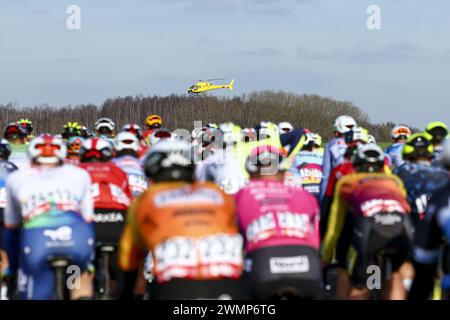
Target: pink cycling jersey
<point x="271" y="213"/>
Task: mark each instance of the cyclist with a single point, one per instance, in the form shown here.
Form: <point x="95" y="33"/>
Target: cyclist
<point x="126" y="147"/>
<point x="189" y="228"/>
<point x="335" y="149"/>
<point x="420" y="178"/>
<point x="137" y="131"/>
<point x="152" y="123"/>
<point x="285" y="127"/>
<point x="112" y="197"/>
<point x="431" y="236"/>
<point x="219" y="164"/>
<point x="85" y="132"/>
<point x="16" y="135"/>
<point x="105" y="129"/>
<point x="73" y="150"/>
<point x="399" y="135"/>
<point x="306" y="169"/>
<point x="439" y="132"/>
<point x="49" y="213"/>
<point x="369" y="214"/>
<point x="280" y="224"/>
<point x="28" y="125"/>
<point x="353" y="138"/>
<point x="71" y="129"/>
<point x="6" y="168"/>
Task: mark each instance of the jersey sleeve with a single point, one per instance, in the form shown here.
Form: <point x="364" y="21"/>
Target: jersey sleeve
<point x="326" y="170"/>
<point x="335" y="223"/>
<point x="13" y="211"/>
<point x="87" y="205"/>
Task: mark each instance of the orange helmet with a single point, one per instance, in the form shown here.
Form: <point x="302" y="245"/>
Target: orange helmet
<point x="153" y="121"/>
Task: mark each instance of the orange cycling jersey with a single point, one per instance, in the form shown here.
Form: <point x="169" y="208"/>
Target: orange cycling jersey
<point x="189" y="229"/>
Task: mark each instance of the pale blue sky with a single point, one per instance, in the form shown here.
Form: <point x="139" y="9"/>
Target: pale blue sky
<point x="400" y="73"/>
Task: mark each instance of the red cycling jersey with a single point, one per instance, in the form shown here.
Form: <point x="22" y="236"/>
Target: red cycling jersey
<point x="110" y="189"/>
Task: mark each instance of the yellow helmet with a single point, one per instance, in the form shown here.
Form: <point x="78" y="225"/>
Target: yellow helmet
<point x="153" y="121"/>
<point x="418" y="145"/>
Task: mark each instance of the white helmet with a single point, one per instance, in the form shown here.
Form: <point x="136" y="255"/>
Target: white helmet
<point x="372" y="139"/>
<point x="104" y="122"/>
<point x="47" y="149"/>
<point x="445" y="155"/>
<point x="344" y="124"/>
<point x="400" y="132"/>
<point x="285" y="127"/>
<point x="126" y="140"/>
<point x="158" y="135"/>
<point x="231" y="133"/>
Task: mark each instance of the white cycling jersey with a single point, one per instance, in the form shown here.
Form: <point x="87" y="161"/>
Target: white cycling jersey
<point x="35" y="191"/>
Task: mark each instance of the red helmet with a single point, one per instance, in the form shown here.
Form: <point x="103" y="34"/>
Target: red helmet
<point x="47" y="149"/>
<point x="96" y="149"/>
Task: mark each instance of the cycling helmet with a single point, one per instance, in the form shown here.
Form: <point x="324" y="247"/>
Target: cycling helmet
<point x="446" y="154"/>
<point x="104" y="126"/>
<point x="71" y="129"/>
<point x="14" y="131"/>
<point x="134" y="129"/>
<point x="126" y="141"/>
<point x="5" y="150"/>
<point x="211" y="136"/>
<point x="27" y="124"/>
<point x="357" y="135"/>
<point x="343" y="124"/>
<point x="95" y="149"/>
<point x="419" y="145"/>
<point x="438" y="131"/>
<point x="285" y="127"/>
<point x="264" y="155"/>
<point x="368" y="158"/>
<point x="47" y="149"/>
<point x="231" y="133"/>
<point x="169" y="160"/>
<point x="158" y="135"/>
<point x="248" y="134"/>
<point x="312" y="140"/>
<point x="371" y="139"/>
<point x="400" y="132"/>
<point x="74" y="145"/>
<point x="154" y="121"/>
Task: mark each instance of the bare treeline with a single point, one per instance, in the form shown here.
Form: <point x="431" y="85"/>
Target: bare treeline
<point x="180" y="111"/>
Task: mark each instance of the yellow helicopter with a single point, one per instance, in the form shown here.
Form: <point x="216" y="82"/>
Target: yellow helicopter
<point x="203" y="86"/>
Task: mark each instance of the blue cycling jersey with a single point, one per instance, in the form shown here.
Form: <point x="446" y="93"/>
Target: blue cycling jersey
<point x="420" y="181"/>
<point x="394" y="151"/>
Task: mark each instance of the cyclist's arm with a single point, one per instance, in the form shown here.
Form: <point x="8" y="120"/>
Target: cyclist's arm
<point x="326" y="170"/>
<point x="335" y="223"/>
<point x="130" y="251"/>
<point x="12" y="220"/>
<point x="426" y="252"/>
<point x="87" y="205"/>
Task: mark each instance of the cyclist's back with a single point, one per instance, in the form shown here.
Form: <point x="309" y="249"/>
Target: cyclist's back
<point x="280" y="225"/>
<point x="189" y="229"/>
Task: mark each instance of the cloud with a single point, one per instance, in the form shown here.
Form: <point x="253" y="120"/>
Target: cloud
<point x="392" y="52"/>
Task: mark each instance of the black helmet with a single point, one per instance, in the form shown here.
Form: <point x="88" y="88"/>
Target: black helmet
<point x="15" y="131"/>
<point x="5" y="150"/>
<point x="169" y="160"/>
<point x="368" y="158"/>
